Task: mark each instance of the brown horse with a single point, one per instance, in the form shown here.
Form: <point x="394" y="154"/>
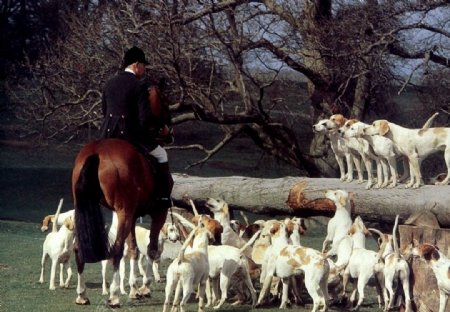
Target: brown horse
<point x="113" y="174"/>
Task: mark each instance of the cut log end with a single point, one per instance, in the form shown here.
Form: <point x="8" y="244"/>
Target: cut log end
<point x="304" y="207"/>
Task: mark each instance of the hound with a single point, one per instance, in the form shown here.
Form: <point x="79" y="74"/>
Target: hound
<point x="169" y="232"/>
<point x="382" y="147"/>
<point x="340" y="149"/>
<point x="190" y="269"/>
<point x="341" y="222"/>
<point x="263" y="242"/>
<point x="416" y="144"/>
<point x="224" y="262"/>
<point x="286" y="261"/>
<point x="59" y="220"/>
<point x="362" y="146"/>
<point x="58" y="246"/>
<point x="395" y="266"/>
<point x="222" y="214"/>
<point x="362" y="265"/>
<point x="440" y="265"/>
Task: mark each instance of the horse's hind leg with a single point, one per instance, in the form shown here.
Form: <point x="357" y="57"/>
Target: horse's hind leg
<point x="133" y="253"/>
<point x="81" y="286"/>
<point x="124" y="225"/>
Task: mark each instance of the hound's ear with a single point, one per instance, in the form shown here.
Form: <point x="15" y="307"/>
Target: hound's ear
<point x="351" y="196"/>
<point x="351" y="231"/>
<point x="195" y="220"/>
<point x="289" y="226"/>
<point x="429" y="252"/>
<point x="384" y="127"/>
<point x="274" y="228"/>
<point x="303" y="227"/>
<point x="342" y="201"/>
<point x="164" y="228"/>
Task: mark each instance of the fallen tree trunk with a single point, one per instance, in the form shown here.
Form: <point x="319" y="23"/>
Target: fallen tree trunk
<point x="305" y="197"/>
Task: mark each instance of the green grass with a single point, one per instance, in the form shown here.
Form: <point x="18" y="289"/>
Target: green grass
<point x="20" y="254"/>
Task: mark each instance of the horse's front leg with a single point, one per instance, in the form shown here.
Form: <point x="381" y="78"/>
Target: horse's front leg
<point x="81" y="285"/>
<point x="158" y="220"/>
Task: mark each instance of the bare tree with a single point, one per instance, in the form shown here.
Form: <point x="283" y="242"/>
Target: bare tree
<point x="227" y="59"/>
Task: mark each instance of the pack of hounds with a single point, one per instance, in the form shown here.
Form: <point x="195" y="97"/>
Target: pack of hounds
<point x="222" y="260"/>
<point x="221" y="256"/>
<point x="358" y="145"/>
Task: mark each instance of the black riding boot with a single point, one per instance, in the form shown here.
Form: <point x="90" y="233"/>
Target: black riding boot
<point x="164" y="185"/>
<point x="163" y="189"/>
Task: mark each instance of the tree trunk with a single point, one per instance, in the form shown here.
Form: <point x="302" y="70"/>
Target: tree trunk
<point x="305" y="197"/>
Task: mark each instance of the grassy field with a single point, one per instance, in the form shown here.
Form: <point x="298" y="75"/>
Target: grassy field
<point x="20" y="254"/>
<point x="31" y="183"/>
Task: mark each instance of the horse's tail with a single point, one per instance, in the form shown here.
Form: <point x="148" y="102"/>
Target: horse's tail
<point x="89" y="224"/>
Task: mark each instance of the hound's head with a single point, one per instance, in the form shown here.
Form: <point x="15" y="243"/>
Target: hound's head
<point x="237" y="226"/>
<point x="212" y="225"/>
<point x="355" y="130"/>
<point x="295" y="224"/>
<point x="324" y="125"/>
<point x="339" y="197"/>
<point x="378" y="127"/>
<point x="69" y="222"/>
<point x="217" y="205"/>
<point x="251" y="229"/>
<point x="428" y="252"/>
<point x="202" y="236"/>
<point x="358" y="227"/>
<point x="171" y="232"/>
<point x="278" y="229"/>
<point x="346" y="127"/>
<point x="337" y="120"/>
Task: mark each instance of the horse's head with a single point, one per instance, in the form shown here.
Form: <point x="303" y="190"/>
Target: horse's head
<point x="160" y="108"/>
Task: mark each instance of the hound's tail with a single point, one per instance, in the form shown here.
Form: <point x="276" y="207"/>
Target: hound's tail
<point x="430" y="120"/>
<point x="250" y="242"/>
<point x="244" y="217"/>
<point x="55" y="222"/>
<point x="394" y="239"/>
<point x="186" y="243"/>
<point x="184" y="221"/>
<point x="89" y="224"/>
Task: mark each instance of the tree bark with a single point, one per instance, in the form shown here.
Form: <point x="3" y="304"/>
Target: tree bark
<point x="305" y="197"/>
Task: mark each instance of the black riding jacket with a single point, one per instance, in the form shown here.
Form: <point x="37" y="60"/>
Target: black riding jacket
<point x="127" y="112"/>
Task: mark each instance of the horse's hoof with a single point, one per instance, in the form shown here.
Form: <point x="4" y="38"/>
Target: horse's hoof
<point x="113" y="304"/>
<point x="145" y="292"/>
<point x="82" y="301"/>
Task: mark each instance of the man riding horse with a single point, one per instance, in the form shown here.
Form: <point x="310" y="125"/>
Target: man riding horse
<point x="128" y="116"/>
